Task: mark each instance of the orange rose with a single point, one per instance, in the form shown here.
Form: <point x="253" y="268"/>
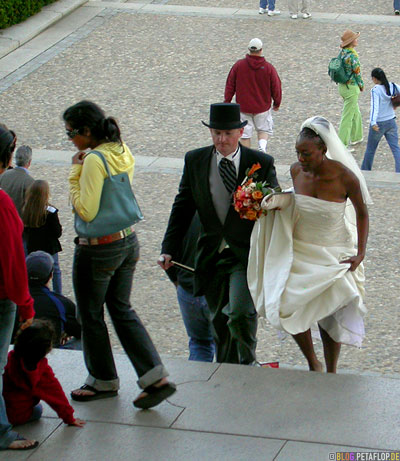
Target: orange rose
<point x="251" y="215"/>
<point x="257" y="195"/>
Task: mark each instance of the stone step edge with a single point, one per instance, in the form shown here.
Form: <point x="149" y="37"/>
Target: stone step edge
<point x="175" y="165"/>
<point x="15" y="36"/>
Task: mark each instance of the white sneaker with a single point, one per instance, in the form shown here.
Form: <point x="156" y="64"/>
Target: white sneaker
<point x="354" y="143"/>
<point x="397" y="12"/>
<point x="293" y="16"/>
<point x="306" y="15"/>
<point x="262" y="10"/>
<point x="273" y="13"/>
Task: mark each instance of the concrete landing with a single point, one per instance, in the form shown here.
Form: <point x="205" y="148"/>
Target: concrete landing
<point x="223" y="412"/>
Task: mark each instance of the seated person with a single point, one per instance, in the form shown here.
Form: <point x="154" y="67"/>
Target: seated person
<point x="28" y="378"/>
<point x="51" y="306"/>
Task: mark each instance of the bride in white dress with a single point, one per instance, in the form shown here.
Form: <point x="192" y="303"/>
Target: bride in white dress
<point x="305" y="259"/>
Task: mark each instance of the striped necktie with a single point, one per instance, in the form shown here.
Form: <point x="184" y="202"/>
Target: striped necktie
<point x="227" y="171"/>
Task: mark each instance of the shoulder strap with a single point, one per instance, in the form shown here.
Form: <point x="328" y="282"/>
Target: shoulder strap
<point x="394" y="89"/>
<point x="99" y="154"/>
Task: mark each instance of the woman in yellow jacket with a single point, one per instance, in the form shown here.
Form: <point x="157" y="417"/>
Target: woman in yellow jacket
<point x="103" y="267"/>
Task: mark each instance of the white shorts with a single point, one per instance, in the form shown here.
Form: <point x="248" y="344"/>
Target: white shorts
<point x="259" y="122"/>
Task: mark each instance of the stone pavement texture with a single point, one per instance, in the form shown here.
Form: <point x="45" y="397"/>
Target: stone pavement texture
<point x="222" y="412"/>
<point x="157" y="71"/>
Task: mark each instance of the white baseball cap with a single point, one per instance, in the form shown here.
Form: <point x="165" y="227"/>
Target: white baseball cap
<point x="255" y="44"/>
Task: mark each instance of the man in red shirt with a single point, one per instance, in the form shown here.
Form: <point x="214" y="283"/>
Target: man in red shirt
<point x="257" y="86"/>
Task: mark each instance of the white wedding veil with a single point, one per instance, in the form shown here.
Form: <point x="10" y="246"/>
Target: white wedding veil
<point x="336" y="149"/>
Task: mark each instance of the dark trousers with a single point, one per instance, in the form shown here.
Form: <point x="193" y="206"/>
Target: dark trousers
<point x="103" y="274"/>
<point x="232" y="309"/>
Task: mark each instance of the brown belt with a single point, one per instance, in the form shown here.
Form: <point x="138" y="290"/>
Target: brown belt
<point x="107" y="238"/>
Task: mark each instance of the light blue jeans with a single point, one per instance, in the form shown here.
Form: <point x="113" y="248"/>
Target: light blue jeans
<point x="396" y="5"/>
<point x="7" y="318"/>
<point x="197" y="319"/>
<point x="388" y="128"/>
<point x="271" y="4"/>
<point x="57" y="281"/>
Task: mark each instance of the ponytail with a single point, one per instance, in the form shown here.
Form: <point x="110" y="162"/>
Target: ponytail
<point x="90" y="115"/>
<point x="111" y="130"/>
<point x="381" y="76"/>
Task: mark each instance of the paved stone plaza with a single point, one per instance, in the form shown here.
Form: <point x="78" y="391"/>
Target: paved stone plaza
<point x="158" y="73"/>
<point x="156" y="66"/>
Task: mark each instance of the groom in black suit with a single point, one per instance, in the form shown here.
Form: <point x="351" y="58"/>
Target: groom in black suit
<point x="210" y="176"/>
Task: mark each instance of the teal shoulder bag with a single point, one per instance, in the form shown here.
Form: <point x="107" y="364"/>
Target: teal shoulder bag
<point x="118" y="207"/>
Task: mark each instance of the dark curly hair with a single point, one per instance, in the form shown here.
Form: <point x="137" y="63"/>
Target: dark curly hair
<point x="34" y="343"/>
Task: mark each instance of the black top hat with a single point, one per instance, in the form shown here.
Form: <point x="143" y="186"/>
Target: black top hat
<point x="225" y="116"/>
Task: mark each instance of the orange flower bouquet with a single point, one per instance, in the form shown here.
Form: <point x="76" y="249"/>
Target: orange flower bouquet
<point x="248" y="196"/>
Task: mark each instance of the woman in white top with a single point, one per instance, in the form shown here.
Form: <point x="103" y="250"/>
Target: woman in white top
<point x="382" y="119"/>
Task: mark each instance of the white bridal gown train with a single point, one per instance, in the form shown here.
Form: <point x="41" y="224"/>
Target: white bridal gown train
<point x="294" y="272"/>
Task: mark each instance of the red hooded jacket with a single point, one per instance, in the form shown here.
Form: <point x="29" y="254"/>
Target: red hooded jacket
<point x="23" y="389"/>
<point x="256" y="83"/>
<point x="13" y="274"/>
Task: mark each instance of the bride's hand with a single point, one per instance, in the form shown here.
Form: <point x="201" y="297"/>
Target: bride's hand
<point x="354" y="262"/>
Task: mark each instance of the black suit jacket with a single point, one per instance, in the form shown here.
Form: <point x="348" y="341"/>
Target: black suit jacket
<point x="194" y="194"/>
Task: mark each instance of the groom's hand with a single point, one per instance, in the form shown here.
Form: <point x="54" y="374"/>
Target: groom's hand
<point x="164" y="261"/>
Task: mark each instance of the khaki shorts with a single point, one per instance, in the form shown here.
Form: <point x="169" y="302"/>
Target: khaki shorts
<point x="258" y="122"/>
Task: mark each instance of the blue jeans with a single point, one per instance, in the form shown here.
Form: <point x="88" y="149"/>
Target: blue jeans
<point x="103" y="274"/>
<point x="197" y="319"/>
<point x="36" y="413"/>
<point x="396" y="5"/>
<point x="388" y="129"/>
<point x="271" y="4"/>
<point x="7" y="318"/>
<point x="57" y="281"/>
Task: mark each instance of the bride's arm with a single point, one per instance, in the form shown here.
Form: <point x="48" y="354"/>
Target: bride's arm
<point x="352" y="185"/>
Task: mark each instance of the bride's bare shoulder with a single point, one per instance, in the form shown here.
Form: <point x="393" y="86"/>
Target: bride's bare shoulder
<point x="295" y="168"/>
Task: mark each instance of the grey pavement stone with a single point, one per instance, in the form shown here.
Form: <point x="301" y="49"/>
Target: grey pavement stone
<point x="16" y="59"/>
<point x="295" y="451"/>
<point x="104" y="442"/>
<point x="113" y="410"/>
<point x="302" y="406"/>
<point x="40" y="431"/>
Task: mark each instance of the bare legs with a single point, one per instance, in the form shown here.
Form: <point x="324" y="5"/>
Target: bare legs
<point x="331" y="350"/>
<point x="262" y="141"/>
<point x="305" y="343"/>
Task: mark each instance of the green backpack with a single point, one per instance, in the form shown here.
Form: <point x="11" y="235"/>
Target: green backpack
<point x="336" y="70"/>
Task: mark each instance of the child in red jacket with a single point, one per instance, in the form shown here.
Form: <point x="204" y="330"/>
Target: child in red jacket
<point x="28" y="378"/>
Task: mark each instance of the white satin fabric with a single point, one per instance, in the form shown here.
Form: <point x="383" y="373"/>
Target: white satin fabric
<point x="294" y="272"/>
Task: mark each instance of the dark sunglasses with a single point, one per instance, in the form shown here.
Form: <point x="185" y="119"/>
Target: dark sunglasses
<point x="72" y="133"/>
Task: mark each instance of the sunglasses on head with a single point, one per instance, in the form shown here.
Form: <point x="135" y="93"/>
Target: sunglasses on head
<point x="72" y="133"/>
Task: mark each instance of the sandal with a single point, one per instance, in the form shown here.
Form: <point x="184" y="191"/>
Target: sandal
<point x="95" y="396"/>
<point x="155" y="395"/>
<point x="19" y="438"/>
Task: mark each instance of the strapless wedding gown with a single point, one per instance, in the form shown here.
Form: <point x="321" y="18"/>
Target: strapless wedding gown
<point x="295" y="276"/>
